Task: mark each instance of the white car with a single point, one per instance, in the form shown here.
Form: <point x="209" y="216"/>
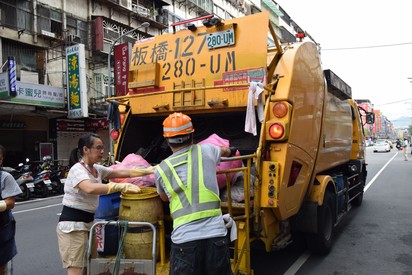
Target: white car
<point x="381" y="146"/>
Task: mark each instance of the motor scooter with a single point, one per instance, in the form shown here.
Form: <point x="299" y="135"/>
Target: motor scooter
<point x="42" y="183"/>
<point x="24" y="179"/>
<point x="55" y="176"/>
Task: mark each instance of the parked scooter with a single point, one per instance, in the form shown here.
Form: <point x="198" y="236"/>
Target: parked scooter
<point x="42" y="182"/>
<point x="24" y="179"/>
<point x="56" y="175"/>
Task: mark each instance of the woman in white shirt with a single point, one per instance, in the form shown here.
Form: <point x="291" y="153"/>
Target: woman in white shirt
<point x="81" y="196"/>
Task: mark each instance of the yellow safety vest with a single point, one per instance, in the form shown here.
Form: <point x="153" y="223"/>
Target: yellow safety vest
<point x="194" y="201"/>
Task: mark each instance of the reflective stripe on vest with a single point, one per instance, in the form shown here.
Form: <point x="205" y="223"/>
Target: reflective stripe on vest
<point x="194" y="201"/>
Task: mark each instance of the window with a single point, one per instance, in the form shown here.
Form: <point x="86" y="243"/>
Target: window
<point x="25" y="55"/>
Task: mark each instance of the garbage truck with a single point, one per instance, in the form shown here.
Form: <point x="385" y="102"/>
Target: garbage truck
<point x="296" y="126"/>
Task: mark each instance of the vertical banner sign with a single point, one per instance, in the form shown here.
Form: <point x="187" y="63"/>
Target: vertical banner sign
<point x="121" y="68"/>
<point x="76" y="82"/>
<point x="12" y="75"/>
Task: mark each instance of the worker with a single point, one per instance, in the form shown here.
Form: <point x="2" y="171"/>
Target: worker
<point x="9" y="189"/>
<point x="187" y="179"/>
<point x="81" y="195"/>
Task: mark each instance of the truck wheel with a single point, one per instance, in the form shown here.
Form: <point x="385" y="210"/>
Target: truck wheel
<point x="358" y="200"/>
<point x="320" y="243"/>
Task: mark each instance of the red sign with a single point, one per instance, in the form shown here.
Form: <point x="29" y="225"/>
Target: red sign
<point x="121" y="68"/>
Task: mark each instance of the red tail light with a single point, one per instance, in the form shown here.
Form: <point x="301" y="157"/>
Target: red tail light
<point x="276" y="131"/>
<point x="114" y="135"/>
<point x="280" y="109"/>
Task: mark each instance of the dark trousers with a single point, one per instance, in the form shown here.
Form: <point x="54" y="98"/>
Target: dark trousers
<point x="202" y="257"/>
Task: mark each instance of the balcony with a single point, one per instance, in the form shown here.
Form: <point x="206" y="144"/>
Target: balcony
<point x="198" y="6"/>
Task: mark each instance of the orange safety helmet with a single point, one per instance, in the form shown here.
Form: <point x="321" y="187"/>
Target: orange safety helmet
<point x="177" y="124"/>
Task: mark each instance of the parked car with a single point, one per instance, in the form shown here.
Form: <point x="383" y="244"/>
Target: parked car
<point x="381" y="146"/>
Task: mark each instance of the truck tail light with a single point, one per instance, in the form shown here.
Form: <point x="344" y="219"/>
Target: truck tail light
<point x="277" y="127"/>
<point x="114" y="134"/>
<point x="276" y="131"/>
<point x="280" y="109"/>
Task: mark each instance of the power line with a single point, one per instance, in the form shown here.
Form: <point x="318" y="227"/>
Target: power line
<point x="393" y="102"/>
<point x="369" y="47"/>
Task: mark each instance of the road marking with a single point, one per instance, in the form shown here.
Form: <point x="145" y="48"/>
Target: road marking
<point x="305" y="256"/>
<point x="298" y="264"/>
<point x="377" y="174"/>
<point x="38" y="199"/>
<point x="37" y="208"/>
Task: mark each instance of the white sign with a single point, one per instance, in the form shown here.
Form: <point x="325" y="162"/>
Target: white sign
<point x="35" y="94"/>
<point x="4" y="85"/>
<point x="76" y="82"/>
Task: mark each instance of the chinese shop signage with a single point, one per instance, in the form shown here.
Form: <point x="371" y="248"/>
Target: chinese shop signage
<point x="76" y="82"/>
<point x="121" y="68"/>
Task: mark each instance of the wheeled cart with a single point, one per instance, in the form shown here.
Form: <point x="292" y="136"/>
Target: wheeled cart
<point x="119" y="265"/>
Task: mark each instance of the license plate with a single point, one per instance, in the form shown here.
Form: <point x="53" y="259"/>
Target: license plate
<point x="47" y="182"/>
<point x="30" y="185"/>
<point x="220" y="39"/>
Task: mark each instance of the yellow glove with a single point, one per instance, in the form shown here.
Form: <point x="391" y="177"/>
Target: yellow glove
<point x="3" y="206"/>
<point x="138" y="172"/>
<point x="123" y="187"/>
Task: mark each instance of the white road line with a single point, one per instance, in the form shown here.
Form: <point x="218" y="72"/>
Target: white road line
<point x="377" y="174"/>
<point x="38" y="199"/>
<point x="294" y="268"/>
<point x="298" y="264"/>
<point x="37" y="208"/>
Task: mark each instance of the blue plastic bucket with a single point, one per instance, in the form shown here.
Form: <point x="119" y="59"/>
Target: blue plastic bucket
<point x="108" y="208"/>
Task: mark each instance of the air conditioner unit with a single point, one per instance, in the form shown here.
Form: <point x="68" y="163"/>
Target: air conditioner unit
<point x="71" y="38"/>
<point x="126" y="4"/>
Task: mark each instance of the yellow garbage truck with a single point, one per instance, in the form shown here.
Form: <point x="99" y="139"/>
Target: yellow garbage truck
<point x="299" y="132"/>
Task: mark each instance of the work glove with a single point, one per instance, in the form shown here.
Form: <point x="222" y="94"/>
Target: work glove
<point x="233" y="150"/>
<point x="138" y="172"/>
<point x="3" y="206"/>
<point x="123" y="187"/>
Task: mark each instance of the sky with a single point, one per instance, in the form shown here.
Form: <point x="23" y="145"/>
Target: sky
<point x="367" y="43"/>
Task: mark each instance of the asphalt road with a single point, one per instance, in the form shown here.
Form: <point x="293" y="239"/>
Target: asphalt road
<point x="374" y="239"/>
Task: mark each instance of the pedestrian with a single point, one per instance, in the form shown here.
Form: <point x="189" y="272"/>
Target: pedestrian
<point x="405" y="149"/>
<point x="398" y="144"/>
<point x="81" y="194"/>
<point x="187" y="179"/>
<point x="9" y="189"/>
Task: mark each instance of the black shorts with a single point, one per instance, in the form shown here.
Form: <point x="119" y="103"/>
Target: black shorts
<point x="202" y="257"/>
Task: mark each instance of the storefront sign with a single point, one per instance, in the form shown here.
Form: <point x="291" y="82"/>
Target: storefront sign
<point x="121" y="68"/>
<point x="12" y="124"/>
<point x="29" y="93"/>
<point x="82" y="125"/>
<point x="38" y="95"/>
<point x="4" y="85"/>
<point x="76" y="82"/>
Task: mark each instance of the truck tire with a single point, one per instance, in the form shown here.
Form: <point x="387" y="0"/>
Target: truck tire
<point x="358" y="200"/>
<point x="320" y="243"/>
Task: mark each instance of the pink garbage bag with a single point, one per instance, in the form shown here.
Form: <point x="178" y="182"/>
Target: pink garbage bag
<point x="135" y="161"/>
<point x="221" y="178"/>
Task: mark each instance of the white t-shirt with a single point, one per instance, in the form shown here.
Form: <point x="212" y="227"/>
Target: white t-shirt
<point x="76" y="198"/>
<point x="9" y="186"/>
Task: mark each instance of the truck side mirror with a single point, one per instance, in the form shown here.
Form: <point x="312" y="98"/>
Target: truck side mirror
<point x="370" y="118"/>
